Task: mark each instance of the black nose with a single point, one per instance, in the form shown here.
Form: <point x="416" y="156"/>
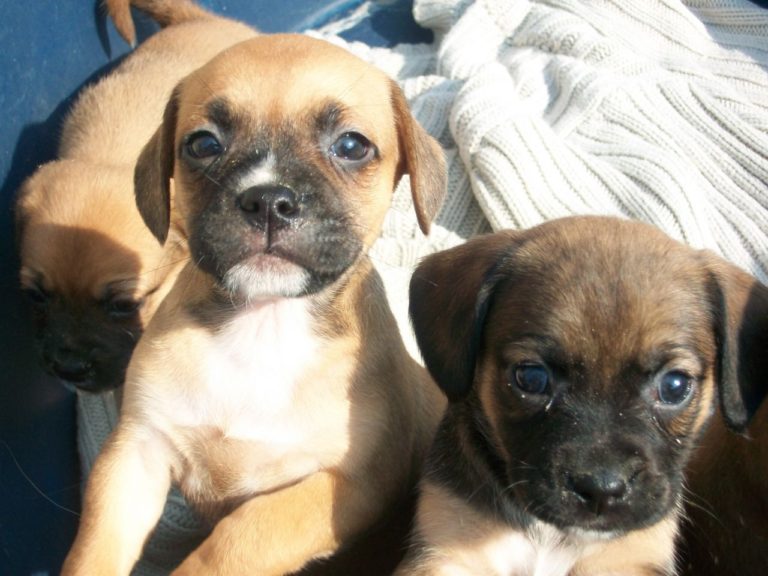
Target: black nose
<point x="274" y="204"/>
<point x="70" y="366"/>
<point x="599" y="490"/>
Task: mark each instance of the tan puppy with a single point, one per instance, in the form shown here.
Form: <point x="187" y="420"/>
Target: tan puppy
<point x="582" y="358"/>
<point x="726" y="532"/>
<point x="92" y="270"/>
<point x="272" y="385"/>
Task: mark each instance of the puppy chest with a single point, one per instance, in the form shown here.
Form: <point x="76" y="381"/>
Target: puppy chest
<point x="261" y="417"/>
<point x="215" y="469"/>
<point x="510" y="552"/>
<point x="516" y="555"/>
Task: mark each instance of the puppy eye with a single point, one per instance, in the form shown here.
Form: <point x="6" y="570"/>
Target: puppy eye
<point x="531" y="378"/>
<point x="674" y="388"/>
<point x="202" y="145"/>
<point x="352" y="146"/>
<point x="36" y="295"/>
<point x="123" y="307"/>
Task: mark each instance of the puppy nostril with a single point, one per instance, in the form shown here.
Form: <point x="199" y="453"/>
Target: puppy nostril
<point x="284" y="207"/>
<point x="268" y="202"/>
<point x="249" y="202"/>
<point x="600" y="489"/>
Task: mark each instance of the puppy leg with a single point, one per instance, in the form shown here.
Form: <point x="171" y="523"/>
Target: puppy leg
<point x="123" y="501"/>
<point x="278" y="533"/>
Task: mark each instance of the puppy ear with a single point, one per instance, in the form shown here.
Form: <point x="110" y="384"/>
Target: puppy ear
<point x="742" y="324"/>
<point x="153" y="173"/>
<point x="450" y="293"/>
<point x="422" y="159"/>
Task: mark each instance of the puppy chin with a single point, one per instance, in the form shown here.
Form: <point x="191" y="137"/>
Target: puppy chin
<point x="589" y="536"/>
<point x="265" y="277"/>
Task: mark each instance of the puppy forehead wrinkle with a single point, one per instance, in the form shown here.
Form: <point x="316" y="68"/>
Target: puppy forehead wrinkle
<point x="329" y="116"/>
<point x="220" y="112"/>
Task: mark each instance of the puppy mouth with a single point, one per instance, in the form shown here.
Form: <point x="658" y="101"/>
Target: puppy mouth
<point x="284" y="263"/>
<point x="603" y="516"/>
<point x="91" y="369"/>
<point x="265" y="274"/>
<point x="596" y="503"/>
<point x="90" y="381"/>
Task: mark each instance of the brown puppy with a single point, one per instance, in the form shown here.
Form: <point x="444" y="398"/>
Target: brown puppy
<point x="92" y="270"/>
<point x="582" y="358"/>
<point x="726" y="532"/>
<point x="272" y="385"/>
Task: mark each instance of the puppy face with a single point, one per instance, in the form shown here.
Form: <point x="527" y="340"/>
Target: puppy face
<point x="594" y="389"/>
<point x="284" y="167"/>
<point x="590" y="351"/>
<point x="91" y="270"/>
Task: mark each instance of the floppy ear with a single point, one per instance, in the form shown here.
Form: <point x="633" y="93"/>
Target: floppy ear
<point x="742" y="323"/>
<point x="450" y="293"/>
<point x="153" y="173"/>
<point x="422" y="159"/>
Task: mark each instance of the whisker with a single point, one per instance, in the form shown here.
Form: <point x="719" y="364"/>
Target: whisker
<point x="689" y="498"/>
<point x="166" y="265"/>
<point x="34" y="485"/>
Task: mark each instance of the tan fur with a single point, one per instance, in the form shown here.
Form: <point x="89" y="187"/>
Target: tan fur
<point x="79" y="230"/>
<point x="164" y="12"/>
<point x="464" y="542"/>
<point x="297" y="423"/>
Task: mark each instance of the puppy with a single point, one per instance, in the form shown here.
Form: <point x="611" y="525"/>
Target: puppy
<point x="272" y="384"/>
<point x="90" y="267"/>
<point x="726" y="529"/>
<point x="582" y="359"/>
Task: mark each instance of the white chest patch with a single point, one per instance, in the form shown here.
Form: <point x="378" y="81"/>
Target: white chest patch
<point x="542" y="550"/>
<point x="252" y="368"/>
<point x="250" y="417"/>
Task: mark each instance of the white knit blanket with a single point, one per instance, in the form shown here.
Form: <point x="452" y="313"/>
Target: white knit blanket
<point x="650" y="109"/>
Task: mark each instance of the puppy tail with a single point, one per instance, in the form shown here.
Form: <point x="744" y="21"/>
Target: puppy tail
<point x="164" y="12"/>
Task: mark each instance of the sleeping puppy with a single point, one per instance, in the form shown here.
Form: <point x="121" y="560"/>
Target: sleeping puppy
<point x="92" y="270"/>
<point x="582" y="359"/>
<point x="272" y="385"/>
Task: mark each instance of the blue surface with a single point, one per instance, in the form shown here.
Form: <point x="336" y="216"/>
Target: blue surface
<point x="50" y="50"/>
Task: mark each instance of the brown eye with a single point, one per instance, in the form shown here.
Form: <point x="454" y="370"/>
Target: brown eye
<point x="203" y="145"/>
<point x="36" y="295"/>
<point x="674" y="388"/>
<point x="352" y="147"/>
<point x="531" y="378"/>
<point x="123" y="307"/>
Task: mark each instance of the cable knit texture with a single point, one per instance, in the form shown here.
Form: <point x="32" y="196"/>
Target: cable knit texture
<point x="655" y="110"/>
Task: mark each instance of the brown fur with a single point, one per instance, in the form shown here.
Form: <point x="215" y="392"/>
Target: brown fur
<point x="81" y="238"/>
<point x="726" y="532"/>
<point x="611" y="298"/>
<point x="363" y="409"/>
